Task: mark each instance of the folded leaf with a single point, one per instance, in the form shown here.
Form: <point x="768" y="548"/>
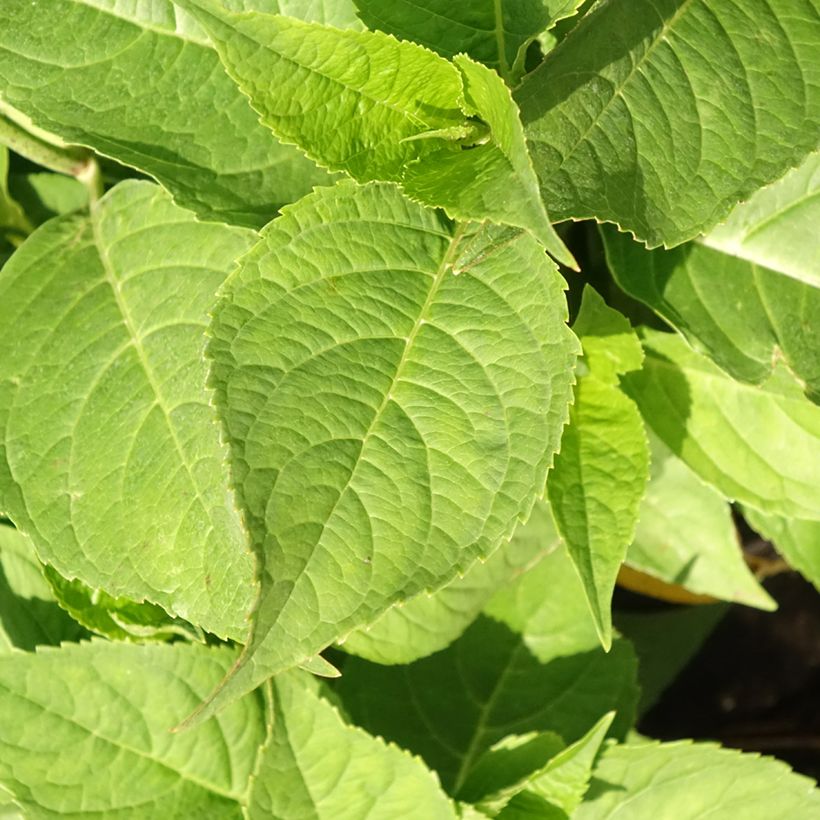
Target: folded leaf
<point x="315" y="765"/>
<point x="756" y="445"/>
<point x="600" y="473"/>
<point x="432" y="621"/>
<point x="689" y="781"/>
<point x="103" y="402"/>
<point x="686" y="536"/>
<point x="389" y="420"/>
<point x="660" y="115"/>
<point x="68" y="715"/>
<point x="140" y="82"/>
<point x="379" y="109"/>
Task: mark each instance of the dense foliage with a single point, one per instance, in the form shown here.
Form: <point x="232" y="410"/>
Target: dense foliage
<point x="301" y="353"/>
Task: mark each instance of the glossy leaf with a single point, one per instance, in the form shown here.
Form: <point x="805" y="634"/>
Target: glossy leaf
<point x="661" y="115"/>
<point x="103" y="401"/>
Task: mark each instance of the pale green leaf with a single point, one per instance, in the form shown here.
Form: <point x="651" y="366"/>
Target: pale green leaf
<point x="29" y="615"/>
<point x="531" y="663"/>
<point x="84" y="733"/>
<point x="431" y="621"/>
<point x="389" y="420"/>
<point x="139" y="82"/>
<point x="796" y="540"/>
<point x="110" y="458"/>
<point x="756" y="445"/>
<point x="686" y="536"/>
<point x="315" y="765"/>
<point x="661" y="115"/>
<point x="493" y="32"/>
<point x="600" y="473"/>
<point x="45" y="195"/>
<point x="690" y="781"/>
<point x="381" y="109"/>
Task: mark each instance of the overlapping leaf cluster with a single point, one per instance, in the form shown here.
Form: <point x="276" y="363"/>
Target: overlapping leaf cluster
<point x="286" y="365"/>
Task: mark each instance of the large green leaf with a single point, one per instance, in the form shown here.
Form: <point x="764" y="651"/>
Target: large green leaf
<point x="140" y="82"/>
<point x="29" y="614"/>
<point x="798" y="541"/>
<point x="660" y="115"/>
<point x="393" y="388"/>
<point x="757" y="445"/>
<point x="530" y="663"/>
<point x="315" y="765"/>
<point x="431" y="621"/>
<point x="84" y="733"/>
<point x="110" y="458"/>
<point x="600" y="474"/>
<point x="689" y="781"/>
<point x="686" y="535"/>
<point x="743" y="300"/>
<point x="494" y="32"/>
<point x="380" y="109"/>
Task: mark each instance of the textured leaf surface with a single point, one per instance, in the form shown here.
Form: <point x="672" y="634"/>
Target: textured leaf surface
<point x="390" y="421"/>
<point x="29" y="615"/>
<point x="686" y="536"/>
<point x="796" y="540"/>
<point x="600" y="474"/>
<point x="68" y="715"/>
<point x="431" y="621"/>
<point x="110" y="458"/>
<point x="140" y="82"/>
<point x="757" y="445"/>
<point x="494" y="32"/>
<point x="530" y="663"/>
<point x="315" y="765"/>
<point x="381" y="109"/>
<point x="689" y="781"/>
<point x="744" y="307"/>
<point x="660" y="115"/>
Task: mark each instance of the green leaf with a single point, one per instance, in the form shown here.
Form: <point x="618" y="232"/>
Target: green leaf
<point x="660" y="115"/>
<point x="531" y="663"/>
<point x="103" y="401"/>
<point x="600" y="474"/>
<point x="493" y="32"/>
<point x="389" y="107"/>
<point x="689" y="781"/>
<point x="744" y="305"/>
<point x="68" y="715"/>
<point x="14" y="225"/>
<point x="393" y="389"/>
<point x="432" y="621"/>
<point x="44" y="195"/>
<point x="140" y="82"/>
<point x="756" y="445"/>
<point x="796" y="540"/>
<point x="315" y="765"/>
<point x="686" y="536"/>
<point x="29" y="615"/>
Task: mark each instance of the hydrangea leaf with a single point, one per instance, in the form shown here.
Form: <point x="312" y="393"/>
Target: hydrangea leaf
<point x="798" y="541"/>
<point x="393" y="388"/>
<point x="686" y="535"/>
<point x="68" y="714"/>
<point x="381" y="109"/>
<point x="530" y="663"/>
<point x="316" y="765"/>
<point x="600" y="474"/>
<point x="661" y="115"/>
<point x="493" y="32"/>
<point x="103" y="401"/>
<point x="29" y="614"/>
<point x="688" y="781"/>
<point x="756" y="445"/>
<point x="140" y="82"/>
<point x="14" y="225"/>
<point x="432" y="621"/>
<point x="735" y="294"/>
<point x="46" y="195"/>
